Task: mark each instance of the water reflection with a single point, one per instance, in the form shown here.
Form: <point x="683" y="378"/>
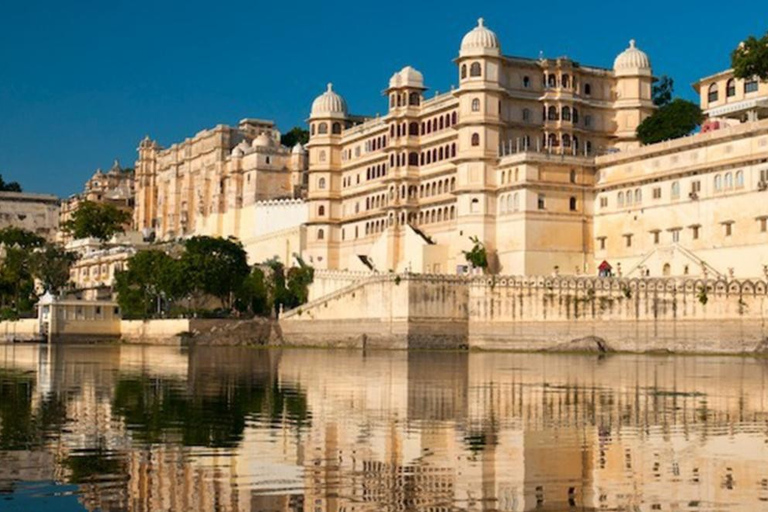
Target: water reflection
<point x="233" y="429"/>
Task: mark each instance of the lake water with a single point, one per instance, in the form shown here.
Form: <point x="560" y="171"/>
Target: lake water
<point x="238" y="429"/>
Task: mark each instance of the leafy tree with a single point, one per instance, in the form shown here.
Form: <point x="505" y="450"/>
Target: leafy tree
<point x="21" y="238"/>
<point x="215" y="266"/>
<point x="151" y="279"/>
<point x="662" y="91"/>
<point x="253" y="295"/>
<point x="677" y="119"/>
<point x="750" y="58"/>
<point x="97" y="220"/>
<point x="51" y="265"/>
<point x="297" y="282"/>
<point x="297" y="135"/>
<point x="477" y="256"/>
<point x="11" y="186"/>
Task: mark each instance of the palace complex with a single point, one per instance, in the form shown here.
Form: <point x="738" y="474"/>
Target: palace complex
<point x="538" y="159"/>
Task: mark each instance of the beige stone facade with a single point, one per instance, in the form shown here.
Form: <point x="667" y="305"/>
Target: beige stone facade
<point x="537" y="158"/>
<point x="209" y="184"/>
<point x="407" y="190"/>
<point x="38" y="213"/>
<point x="115" y="187"/>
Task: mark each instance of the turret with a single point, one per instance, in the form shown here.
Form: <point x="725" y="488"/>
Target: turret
<point x="634" y="81"/>
<point x="327" y="120"/>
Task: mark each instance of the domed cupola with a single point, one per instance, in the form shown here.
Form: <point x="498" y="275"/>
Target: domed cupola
<point x="298" y="149"/>
<point x="480" y="40"/>
<point x="329" y="104"/>
<point x="632" y="60"/>
<point x="407" y="77"/>
<point x="262" y="141"/>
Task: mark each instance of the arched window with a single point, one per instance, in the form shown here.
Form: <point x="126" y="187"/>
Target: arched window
<point x="587" y="90"/>
<point x="552" y="81"/>
<point x="730" y="88"/>
<point x="575" y="115"/>
<point x="336" y="128"/>
<point x="453" y="118"/>
<point x="526" y="82"/>
<point x="503" y="204"/>
<point x="312" y="129"/>
<point x="629" y="197"/>
<point x="718" y="183"/>
<point x="392" y="130"/>
<point x="739" y="179"/>
<point x="321" y="183"/>
<point x="728" y="180"/>
<point x="515" y="202"/>
<point x="421" y="159"/>
<point x="321" y="211"/>
<point x="712" y="95"/>
<point x="566" y="140"/>
<point x="463" y="71"/>
<point x="620" y="199"/>
<point x="526" y="115"/>
<point x="320" y="234"/>
<point x="566" y="81"/>
<point x="572" y="204"/>
<point x="475" y="70"/>
<point x="476" y="105"/>
<point x="447" y="120"/>
<point x="453" y="184"/>
<point x="475" y="139"/>
<point x="573" y="176"/>
<point x="392" y="100"/>
<point x="441" y="122"/>
<point x="413" y="159"/>
<point x="440" y="154"/>
<point x="552" y="113"/>
<point x="552" y="140"/>
<point x="413" y="99"/>
<point x="566" y="113"/>
<point x="322" y="128"/>
<point x="413" y="129"/>
<point x="676" y="190"/>
<point x="638" y="196"/>
<point x="453" y="150"/>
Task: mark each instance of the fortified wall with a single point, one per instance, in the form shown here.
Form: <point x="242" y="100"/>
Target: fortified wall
<point x="537" y="313"/>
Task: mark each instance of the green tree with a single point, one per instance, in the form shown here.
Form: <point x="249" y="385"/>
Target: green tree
<point x="750" y="58"/>
<point x="51" y="265"/>
<point x="11" y="186"/>
<point x="16" y="280"/>
<point x="477" y="256"/>
<point x="253" y="295"/>
<point x="97" y="220"/>
<point x="662" y="91"/>
<point x="677" y="119"/>
<point x="215" y="266"/>
<point x="152" y="279"/>
<point x="21" y="238"/>
<point x="297" y="135"/>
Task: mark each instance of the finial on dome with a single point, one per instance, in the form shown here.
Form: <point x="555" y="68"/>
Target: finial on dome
<point x="330" y="87"/>
<point x="631" y="43"/>
<point x="480" y="22"/>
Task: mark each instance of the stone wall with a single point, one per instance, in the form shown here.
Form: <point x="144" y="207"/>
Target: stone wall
<point x="25" y="329"/>
<point x="537" y="313"/>
<point x="161" y="332"/>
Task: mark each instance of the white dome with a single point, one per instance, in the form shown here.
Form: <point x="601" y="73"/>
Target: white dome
<point x="480" y="38"/>
<point x="237" y="152"/>
<point x="407" y="77"/>
<point x="298" y="149"/>
<point x="262" y="141"/>
<point x="632" y="58"/>
<point x="329" y="103"/>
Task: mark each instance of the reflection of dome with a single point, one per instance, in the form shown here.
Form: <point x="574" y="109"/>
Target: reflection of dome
<point x="298" y="149"/>
<point x="480" y="38"/>
<point x="632" y="58"/>
<point x="262" y="141"/>
<point x="329" y="103"/>
<point x="407" y="77"/>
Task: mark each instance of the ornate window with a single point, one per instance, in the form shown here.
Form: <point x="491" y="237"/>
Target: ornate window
<point x="475" y="139"/>
<point x="322" y="128"/>
<point x="620" y="199"/>
<point x="336" y="128"/>
<point x="552" y="113"/>
<point x="463" y="71"/>
<point x="566" y="81"/>
<point x="730" y="88"/>
<point x="476" y="105"/>
<point x="712" y="95"/>
<point x="413" y="99"/>
<point x="739" y="179"/>
<point x="475" y="69"/>
<point x="321" y="183"/>
<point x="321" y="211"/>
<point x="718" y="183"/>
<point x="320" y="234"/>
<point x="566" y="113"/>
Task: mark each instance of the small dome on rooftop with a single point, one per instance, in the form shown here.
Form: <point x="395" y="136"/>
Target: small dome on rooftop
<point x="329" y="103"/>
<point x="632" y="58"/>
<point x="480" y="38"/>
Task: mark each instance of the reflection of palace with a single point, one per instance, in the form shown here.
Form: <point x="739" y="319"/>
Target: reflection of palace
<point x="149" y="429"/>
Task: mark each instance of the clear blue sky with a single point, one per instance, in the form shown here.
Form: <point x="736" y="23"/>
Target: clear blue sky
<point x="82" y="82"/>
